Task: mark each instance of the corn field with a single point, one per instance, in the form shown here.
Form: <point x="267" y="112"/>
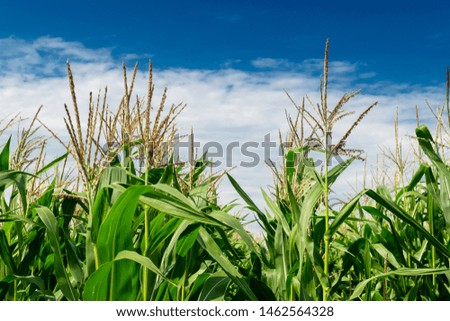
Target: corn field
<point x="116" y="217"/>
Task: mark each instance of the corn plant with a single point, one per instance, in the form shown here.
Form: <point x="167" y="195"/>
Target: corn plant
<point x="313" y="251"/>
<point x="116" y="217"/>
<point x="130" y="232"/>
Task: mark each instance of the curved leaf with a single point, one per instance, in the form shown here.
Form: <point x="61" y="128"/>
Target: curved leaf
<point x="216" y="253"/>
<point x="62" y="278"/>
<point x="403" y="272"/>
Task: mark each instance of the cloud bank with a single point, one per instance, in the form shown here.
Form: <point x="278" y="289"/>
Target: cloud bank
<point x="224" y="105"/>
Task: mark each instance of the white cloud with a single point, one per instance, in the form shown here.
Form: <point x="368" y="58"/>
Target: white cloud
<point x="46" y="56"/>
<point x="309" y="66"/>
<point x="223" y="105"/>
<point x="270" y="63"/>
<point x="134" y="57"/>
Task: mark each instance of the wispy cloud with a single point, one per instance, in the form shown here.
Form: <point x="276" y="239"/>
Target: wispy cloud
<point x="135" y="57"/>
<point x="46" y="56"/>
<point x="271" y="63"/>
<point x="223" y="105"/>
<point x="308" y="65"/>
<point x="342" y="74"/>
<point x="230" y="63"/>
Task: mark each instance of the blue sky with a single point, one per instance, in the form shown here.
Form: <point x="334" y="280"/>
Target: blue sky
<point x="401" y="41"/>
<point x="231" y="62"/>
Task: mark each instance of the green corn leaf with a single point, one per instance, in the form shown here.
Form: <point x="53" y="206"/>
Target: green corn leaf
<point x="394" y="209"/>
<point x="196" y="281"/>
<point x="385" y="253"/>
<point x="337" y="170"/>
<point x="316" y="261"/>
<point x="100" y="211"/>
<point x="176" y="209"/>
<point x="51" y="225"/>
<point x="216" y="253"/>
<point x="252" y="206"/>
<point x="167" y="200"/>
<point x="114" y="234"/>
<point x="117" y="280"/>
<point x="308" y="208"/>
<point x="281" y="257"/>
<point x="417" y="177"/>
<point x="162" y="189"/>
<point x="187" y="240"/>
<point x="279" y="216"/>
<point x="169" y="253"/>
<point x="344" y="213"/>
<point x="35" y="280"/>
<point x="443" y="195"/>
<point x="53" y="163"/>
<point x="145" y="262"/>
<point x="98" y="284"/>
<point x="4" y="156"/>
<point x="235" y="224"/>
<point x="18" y="178"/>
<point x="75" y="264"/>
<point x="215" y="287"/>
<point x="401" y="272"/>
<point x="400" y="213"/>
<point x="110" y="175"/>
<point x="6" y="254"/>
<point x="160" y="231"/>
<point x="294" y="204"/>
